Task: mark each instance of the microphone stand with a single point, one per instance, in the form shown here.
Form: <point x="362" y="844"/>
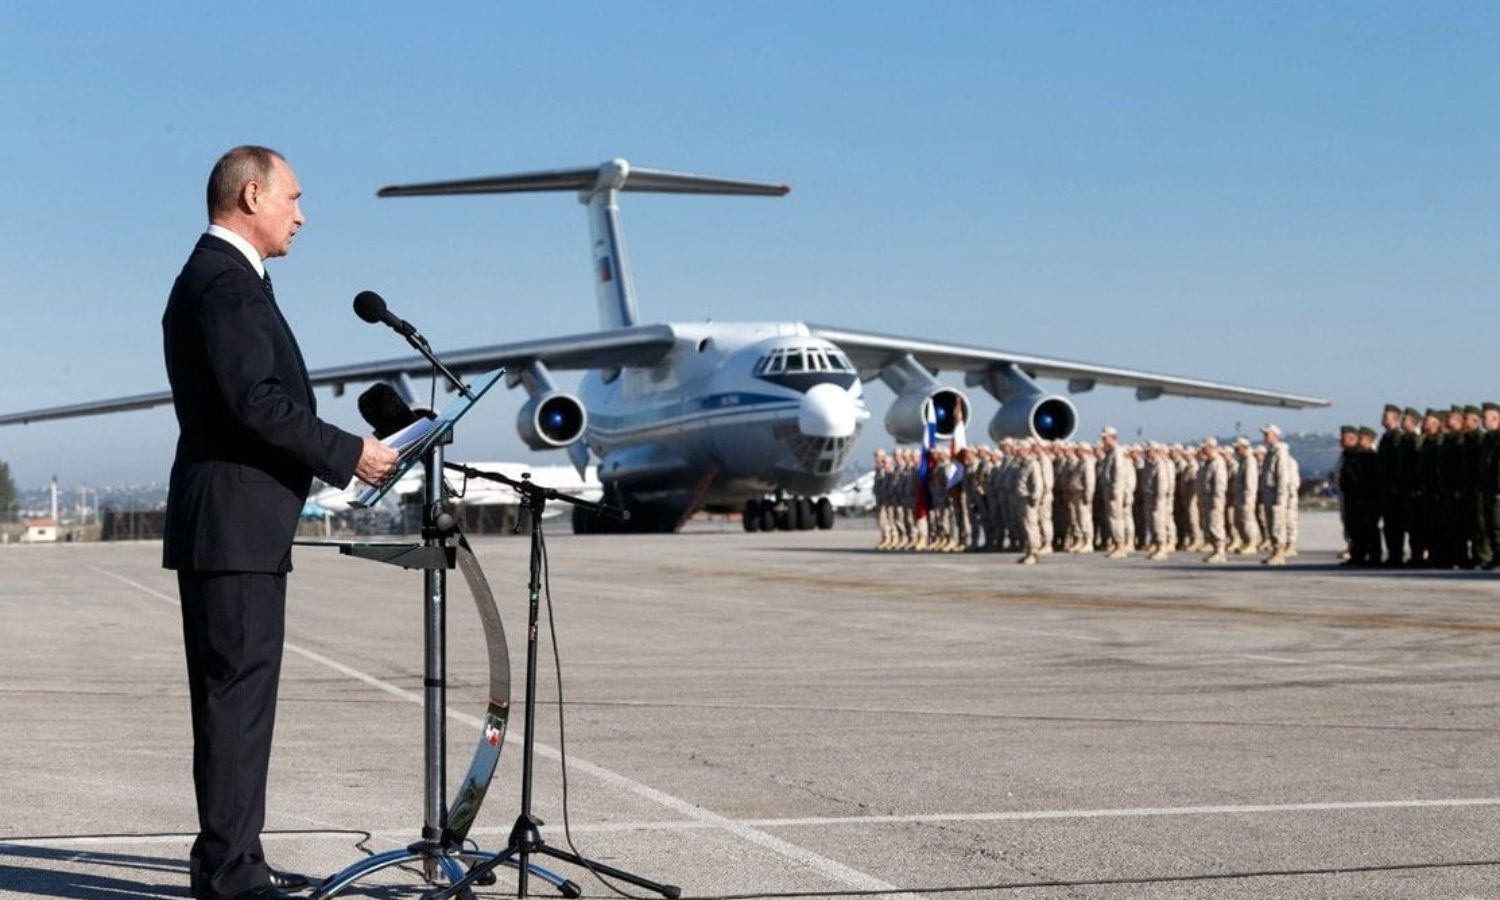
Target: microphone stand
<point x="419" y="344"/>
<point x="526" y="837"/>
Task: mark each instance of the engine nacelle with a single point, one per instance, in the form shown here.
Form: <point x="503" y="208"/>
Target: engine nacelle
<point x="1049" y="417"/>
<point x="551" y="420"/>
<point x="906" y="420"/>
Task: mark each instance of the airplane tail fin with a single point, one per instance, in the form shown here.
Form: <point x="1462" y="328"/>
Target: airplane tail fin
<point x="599" y="188"/>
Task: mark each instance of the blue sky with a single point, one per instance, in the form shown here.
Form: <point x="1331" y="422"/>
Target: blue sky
<point x="1298" y="196"/>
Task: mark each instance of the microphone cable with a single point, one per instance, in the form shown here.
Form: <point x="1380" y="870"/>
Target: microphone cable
<point x="562" y="733"/>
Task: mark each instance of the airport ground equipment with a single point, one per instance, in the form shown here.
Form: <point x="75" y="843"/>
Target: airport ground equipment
<point x="526" y="838"/>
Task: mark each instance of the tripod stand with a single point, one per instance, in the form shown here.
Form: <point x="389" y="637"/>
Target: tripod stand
<point x="526" y="838"/>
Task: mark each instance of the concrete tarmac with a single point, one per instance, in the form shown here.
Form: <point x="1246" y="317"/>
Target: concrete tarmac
<point x="796" y="712"/>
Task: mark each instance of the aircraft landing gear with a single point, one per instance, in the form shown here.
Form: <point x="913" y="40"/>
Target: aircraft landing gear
<point x="787" y="514"/>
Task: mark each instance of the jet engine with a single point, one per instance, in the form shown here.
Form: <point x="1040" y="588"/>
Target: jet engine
<point x="906" y="419"/>
<point x="915" y="387"/>
<point x="549" y="421"/>
<point x="1049" y="417"/>
<point x="551" y="418"/>
<point x="1025" y="410"/>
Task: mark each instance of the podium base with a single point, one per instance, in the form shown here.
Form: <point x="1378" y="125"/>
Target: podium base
<point x="440" y="865"/>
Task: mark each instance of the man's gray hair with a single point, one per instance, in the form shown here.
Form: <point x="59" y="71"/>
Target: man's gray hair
<point x="235" y="169"/>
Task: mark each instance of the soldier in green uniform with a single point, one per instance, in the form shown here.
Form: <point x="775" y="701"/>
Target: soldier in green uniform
<point x="1451" y="485"/>
<point x="1489" y="486"/>
<point x="1364" y="519"/>
<point x="1348" y="443"/>
<point x="1471" y="518"/>
<point x="1392" y="508"/>
<point x="1408" y="482"/>
<point x="1431" y="488"/>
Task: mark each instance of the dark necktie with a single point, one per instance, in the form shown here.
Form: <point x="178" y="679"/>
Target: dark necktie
<point x="266" y="280"/>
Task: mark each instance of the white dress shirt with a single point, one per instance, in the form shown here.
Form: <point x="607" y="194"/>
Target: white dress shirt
<point x="240" y="244"/>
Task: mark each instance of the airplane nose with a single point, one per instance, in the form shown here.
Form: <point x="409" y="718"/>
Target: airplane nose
<point x="827" y="412"/>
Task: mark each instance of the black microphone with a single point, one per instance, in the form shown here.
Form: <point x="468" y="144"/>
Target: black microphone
<point x="371" y="307"/>
<point x="384" y="409"/>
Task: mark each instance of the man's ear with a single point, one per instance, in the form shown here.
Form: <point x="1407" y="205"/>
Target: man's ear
<point x="250" y="196"/>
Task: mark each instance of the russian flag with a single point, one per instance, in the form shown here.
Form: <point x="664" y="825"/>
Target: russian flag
<point x="924" y="465"/>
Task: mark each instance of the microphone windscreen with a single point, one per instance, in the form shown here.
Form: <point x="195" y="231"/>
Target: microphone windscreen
<point x="384" y="409"/>
<point x="369" y="306"/>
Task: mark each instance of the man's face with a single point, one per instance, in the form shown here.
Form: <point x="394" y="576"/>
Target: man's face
<point x="1390" y="419"/>
<point x="1410" y="424"/>
<point x="1431" y="425"/>
<point x="1107" y="442"/>
<point x="1272" y="438"/>
<point x="278" y="210"/>
<point x="1367" y="441"/>
<point x="1455" y="422"/>
<point x="1471" y="421"/>
<point x="1348" y="439"/>
<point x="1492" y="420"/>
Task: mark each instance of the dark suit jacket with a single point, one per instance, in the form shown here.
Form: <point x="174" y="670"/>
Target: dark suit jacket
<point x="250" y="440"/>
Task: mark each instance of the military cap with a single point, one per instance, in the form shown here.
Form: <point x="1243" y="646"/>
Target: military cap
<point x="1366" y="431"/>
<point x="1109" y="431"/>
<point x="1391" y="407"/>
<point x="1271" y="429"/>
<point x="1242" y="441"/>
<point x="1490" y="406"/>
<point x="1348" y="429"/>
<point x="1413" y="412"/>
<point x="1471" y="410"/>
<point x="1210" y="442"/>
<point x="1433" y="413"/>
<point x="1456" y="410"/>
<point x="1260" y="450"/>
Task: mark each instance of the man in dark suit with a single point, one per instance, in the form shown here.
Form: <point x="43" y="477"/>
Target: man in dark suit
<point x="250" y="444"/>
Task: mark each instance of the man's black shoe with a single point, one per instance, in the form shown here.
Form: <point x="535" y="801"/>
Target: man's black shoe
<point x="289" y="881"/>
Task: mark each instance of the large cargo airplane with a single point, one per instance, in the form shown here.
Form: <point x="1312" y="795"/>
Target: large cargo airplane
<point x="725" y="416"/>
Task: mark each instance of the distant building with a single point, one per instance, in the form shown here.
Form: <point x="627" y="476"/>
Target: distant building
<point x="40" y="531"/>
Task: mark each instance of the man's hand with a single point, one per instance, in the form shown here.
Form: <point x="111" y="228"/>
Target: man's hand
<point x="376" y="462"/>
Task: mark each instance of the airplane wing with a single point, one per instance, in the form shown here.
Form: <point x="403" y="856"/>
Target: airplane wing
<point x="639" y="346"/>
<point x="869" y="351"/>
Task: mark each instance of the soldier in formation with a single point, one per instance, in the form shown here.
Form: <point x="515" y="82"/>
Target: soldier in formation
<point x="1432" y="490"/>
<point x="1036" y="497"/>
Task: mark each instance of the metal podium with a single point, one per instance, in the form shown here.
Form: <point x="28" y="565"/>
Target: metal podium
<point x="440" y="851"/>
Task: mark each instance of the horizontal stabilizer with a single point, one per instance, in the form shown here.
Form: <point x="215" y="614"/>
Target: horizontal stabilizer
<point x="616" y="174"/>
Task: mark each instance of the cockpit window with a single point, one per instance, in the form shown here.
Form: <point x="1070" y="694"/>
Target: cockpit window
<point x="803" y="359"/>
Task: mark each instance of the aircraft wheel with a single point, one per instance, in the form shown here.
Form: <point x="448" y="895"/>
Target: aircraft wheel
<point x="583" y="521"/>
<point x="802" y="514"/>
<point x="825" y="513"/>
<point x="751" y="516"/>
<point x="768" y="516"/>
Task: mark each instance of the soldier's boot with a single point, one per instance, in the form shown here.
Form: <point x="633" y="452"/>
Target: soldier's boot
<point x="1217" y="556"/>
<point x="1044" y="550"/>
<point x="1290" y="552"/>
<point x="1028" y="560"/>
<point x="1117" y="553"/>
<point x="1277" y="558"/>
<point x="1084" y="548"/>
<point x="1160" y="553"/>
<point x="1346" y="555"/>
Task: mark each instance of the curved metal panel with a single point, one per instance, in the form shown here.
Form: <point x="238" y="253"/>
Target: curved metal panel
<point x="471" y="790"/>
